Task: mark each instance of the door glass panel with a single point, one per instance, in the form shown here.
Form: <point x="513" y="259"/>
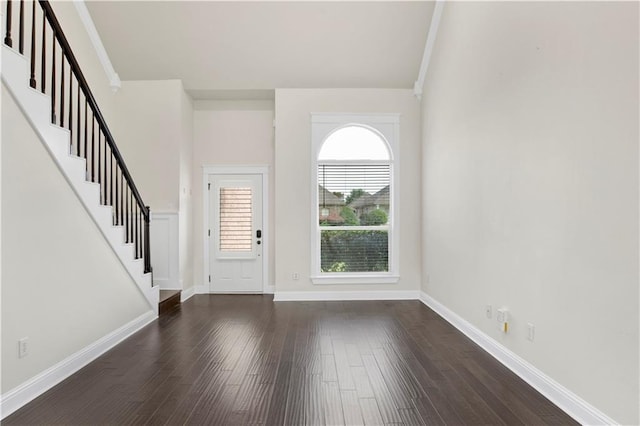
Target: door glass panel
<point x="235" y="220"/>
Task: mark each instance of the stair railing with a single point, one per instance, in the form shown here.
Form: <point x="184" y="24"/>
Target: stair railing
<point x="74" y="108"/>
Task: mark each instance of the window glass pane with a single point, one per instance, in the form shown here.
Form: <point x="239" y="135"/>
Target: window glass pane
<point x="354" y="143"/>
<point x="235" y="220"/>
<point x="354" y="251"/>
<point x="353" y="194"/>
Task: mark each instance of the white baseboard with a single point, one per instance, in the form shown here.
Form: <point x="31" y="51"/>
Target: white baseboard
<point x="36" y="386"/>
<point x="204" y="289"/>
<point x="187" y="293"/>
<point x="282" y="296"/>
<point x="570" y="403"/>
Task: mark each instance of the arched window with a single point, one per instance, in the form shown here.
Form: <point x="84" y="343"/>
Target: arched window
<point x="354" y="211"/>
<point x="354" y="142"/>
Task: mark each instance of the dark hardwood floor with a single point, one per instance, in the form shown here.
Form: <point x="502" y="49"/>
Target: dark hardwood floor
<point x="234" y="360"/>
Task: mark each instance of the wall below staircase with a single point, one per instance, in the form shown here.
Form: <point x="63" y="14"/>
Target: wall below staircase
<point x="62" y="285"/>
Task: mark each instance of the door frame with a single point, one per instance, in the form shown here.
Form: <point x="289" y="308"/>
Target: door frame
<point x="221" y="170"/>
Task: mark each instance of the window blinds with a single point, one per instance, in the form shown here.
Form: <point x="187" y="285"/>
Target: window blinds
<point x="342" y="179"/>
<point x="235" y="220"/>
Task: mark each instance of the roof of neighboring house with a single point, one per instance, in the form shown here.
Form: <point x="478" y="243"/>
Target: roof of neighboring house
<point x="328" y="198"/>
<point x="380" y="198"/>
<point x="334" y="218"/>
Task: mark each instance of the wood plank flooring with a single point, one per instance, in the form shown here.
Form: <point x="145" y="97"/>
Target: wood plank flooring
<point x="244" y="360"/>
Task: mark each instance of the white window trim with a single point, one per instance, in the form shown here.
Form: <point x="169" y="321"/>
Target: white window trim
<point x="388" y="125"/>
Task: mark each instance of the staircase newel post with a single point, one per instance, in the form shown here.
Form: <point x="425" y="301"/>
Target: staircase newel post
<point x="147" y="251"/>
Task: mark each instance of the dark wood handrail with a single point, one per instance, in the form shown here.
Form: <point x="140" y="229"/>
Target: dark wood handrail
<point x="68" y="53"/>
<point x="117" y="187"/>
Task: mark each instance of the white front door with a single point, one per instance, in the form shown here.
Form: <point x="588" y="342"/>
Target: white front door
<point x="235" y="240"/>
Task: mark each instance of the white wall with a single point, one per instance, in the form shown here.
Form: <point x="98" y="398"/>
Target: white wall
<point x="2" y="29"/>
<point x="78" y="292"/>
<point x="153" y="127"/>
<point x="148" y="130"/>
<point x="186" y="210"/>
<point x="62" y="285"/>
<point x="530" y="159"/>
<point x="230" y="133"/>
<point x="152" y="124"/>
<point x="86" y="55"/>
<point x="293" y="184"/>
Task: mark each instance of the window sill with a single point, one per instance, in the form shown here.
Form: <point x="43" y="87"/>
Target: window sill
<point x="355" y="279"/>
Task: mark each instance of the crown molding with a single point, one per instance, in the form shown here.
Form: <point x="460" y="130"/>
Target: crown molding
<point x="85" y="17"/>
<point x="428" y="48"/>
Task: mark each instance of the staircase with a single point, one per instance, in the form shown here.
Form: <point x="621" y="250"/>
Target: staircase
<point x="48" y="85"/>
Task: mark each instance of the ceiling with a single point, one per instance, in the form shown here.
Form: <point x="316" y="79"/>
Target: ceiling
<point x="240" y="49"/>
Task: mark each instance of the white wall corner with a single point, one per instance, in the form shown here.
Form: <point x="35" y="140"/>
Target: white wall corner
<point x="85" y="17"/>
<point x="417" y="90"/>
<point x="570" y="403"/>
<point x="114" y="82"/>
<point x="187" y="293"/>
<point x="201" y="289"/>
<point x="428" y="48"/>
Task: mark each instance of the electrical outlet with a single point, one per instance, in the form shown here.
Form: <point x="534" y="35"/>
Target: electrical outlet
<point x="502" y="316"/>
<point x="295" y="276"/>
<point x="531" y="332"/>
<point x="23" y="348"/>
<point x="488" y="311"/>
